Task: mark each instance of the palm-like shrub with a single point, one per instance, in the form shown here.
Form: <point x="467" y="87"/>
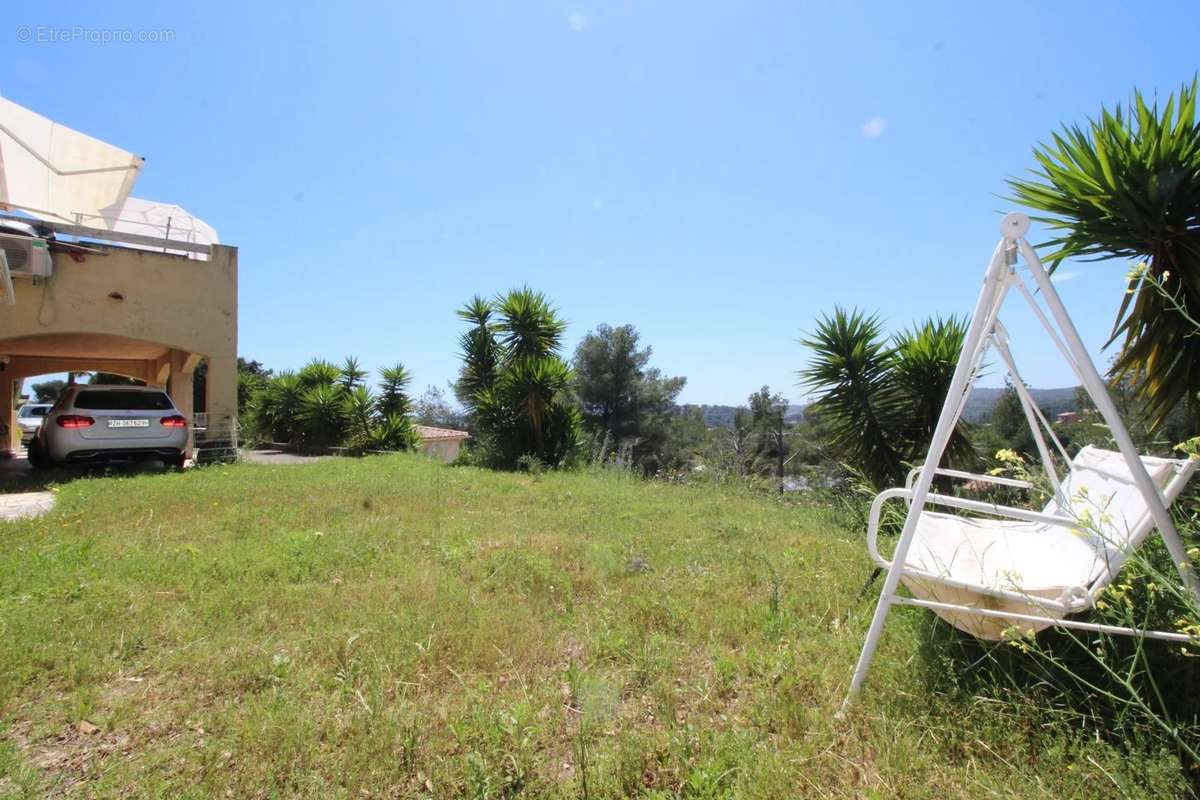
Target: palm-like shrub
<point x="1127" y="185"/>
<point x="850" y="372"/>
<point x="352" y="375"/>
<point x="360" y="413"/>
<point x="324" y="417"/>
<point x="393" y="391"/>
<point x="881" y="398"/>
<point x="514" y="384"/>
<point x="529" y="329"/>
<point x="276" y="407"/>
<point x="924" y="358"/>
<point x="526" y="414"/>
<point x="318" y="372"/>
<point x="394" y="432"/>
<point x="481" y="353"/>
<point x="318" y="407"/>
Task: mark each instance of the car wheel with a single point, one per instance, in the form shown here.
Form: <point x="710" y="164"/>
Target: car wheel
<point x="175" y="462"/>
<point x="37" y="456"/>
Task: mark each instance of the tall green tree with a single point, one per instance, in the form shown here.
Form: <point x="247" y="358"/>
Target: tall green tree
<point x="113" y="379"/>
<point x="513" y="382"/>
<point x="48" y="391"/>
<point x="1127" y="185"/>
<point x="1009" y="422"/>
<point x="687" y="438"/>
<point x="768" y="424"/>
<point x="621" y="396"/>
<point x="434" y="408"/>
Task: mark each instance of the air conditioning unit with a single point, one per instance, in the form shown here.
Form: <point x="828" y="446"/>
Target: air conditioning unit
<point x="28" y="257"/>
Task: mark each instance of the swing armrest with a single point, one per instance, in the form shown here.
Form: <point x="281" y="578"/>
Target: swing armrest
<point x="873" y="523"/>
<point x="1008" y="512"/>
<point x="1016" y="483"/>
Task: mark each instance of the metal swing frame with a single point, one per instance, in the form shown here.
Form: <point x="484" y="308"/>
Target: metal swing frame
<point x="986" y="332"/>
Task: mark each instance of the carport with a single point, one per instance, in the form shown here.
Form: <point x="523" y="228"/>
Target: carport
<point x="146" y="315"/>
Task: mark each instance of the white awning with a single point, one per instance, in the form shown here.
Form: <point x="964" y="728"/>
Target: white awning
<point x="59" y="174"/>
<point x="160" y="220"/>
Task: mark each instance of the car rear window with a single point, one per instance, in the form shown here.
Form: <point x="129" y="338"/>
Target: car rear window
<point x="119" y="400"/>
<point x="35" y="411"/>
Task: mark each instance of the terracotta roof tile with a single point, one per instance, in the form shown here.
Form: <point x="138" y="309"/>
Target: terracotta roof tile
<point x="428" y="432"/>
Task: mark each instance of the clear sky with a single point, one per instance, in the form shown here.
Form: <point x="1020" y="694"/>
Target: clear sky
<point x="715" y="174"/>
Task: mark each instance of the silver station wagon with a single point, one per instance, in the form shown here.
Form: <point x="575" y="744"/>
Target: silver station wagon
<point x="111" y="423"/>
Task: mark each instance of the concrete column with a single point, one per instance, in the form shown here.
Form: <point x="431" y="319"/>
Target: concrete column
<point x="9" y="391"/>
<point x="221" y="408"/>
<point x="179" y="386"/>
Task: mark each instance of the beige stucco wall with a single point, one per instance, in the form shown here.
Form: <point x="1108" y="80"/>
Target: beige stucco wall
<point x="139" y="313"/>
<point x="444" y="449"/>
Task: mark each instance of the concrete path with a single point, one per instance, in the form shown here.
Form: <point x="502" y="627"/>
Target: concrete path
<point x="277" y="457"/>
<point x="25" y="504"/>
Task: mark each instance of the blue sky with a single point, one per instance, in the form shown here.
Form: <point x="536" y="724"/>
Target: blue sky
<point x="715" y="174"/>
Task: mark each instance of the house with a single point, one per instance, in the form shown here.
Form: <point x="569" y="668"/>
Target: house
<point x="1067" y="417"/>
<point x="441" y="443"/>
<point x="94" y="280"/>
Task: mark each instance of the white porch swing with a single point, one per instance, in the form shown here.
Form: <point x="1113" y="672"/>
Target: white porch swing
<point x="1002" y="568"/>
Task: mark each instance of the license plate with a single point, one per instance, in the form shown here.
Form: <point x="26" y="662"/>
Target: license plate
<point x="129" y="423"/>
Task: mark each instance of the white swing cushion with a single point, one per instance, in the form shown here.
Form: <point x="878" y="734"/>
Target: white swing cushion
<point x="1043" y="560"/>
<point x="1100" y="488"/>
<point x="1010" y="555"/>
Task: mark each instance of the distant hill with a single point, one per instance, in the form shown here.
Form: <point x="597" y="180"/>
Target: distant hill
<point x="979" y="406"/>
<point x="1052" y="402"/>
<point x="722" y="416"/>
<point x="718" y="416"/>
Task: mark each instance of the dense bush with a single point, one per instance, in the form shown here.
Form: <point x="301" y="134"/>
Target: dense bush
<point x="323" y="406"/>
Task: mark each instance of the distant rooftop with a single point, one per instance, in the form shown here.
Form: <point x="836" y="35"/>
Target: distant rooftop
<point x="429" y="433"/>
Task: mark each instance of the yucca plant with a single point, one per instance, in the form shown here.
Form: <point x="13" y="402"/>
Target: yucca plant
<point x="360" y="411"/>
<point x="924" y="358"/>
<point x="323" y="415"/>
<point x="352" y="374"/>
<point x="880" y="397"/>
<point x="318" y="372"/>
<point x="393" y="391"/>
<point x="849" y="371"/>
<point x="394" y="432"/>
<point x="1127" y="185"/>
<point x="276" y="407"/>
<point x="513" y="382"/>
<point x="480" y="352"/>
<point x="529" y="328"/>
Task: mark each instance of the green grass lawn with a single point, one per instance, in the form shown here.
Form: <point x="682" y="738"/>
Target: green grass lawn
<point x="391" y="627"/>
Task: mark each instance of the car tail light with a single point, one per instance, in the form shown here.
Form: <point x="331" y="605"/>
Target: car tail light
<point x="174" y="421"/>
<point x="74" y="421"/>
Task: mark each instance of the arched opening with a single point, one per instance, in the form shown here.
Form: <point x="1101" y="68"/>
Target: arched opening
<point x="153" y="363"/>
